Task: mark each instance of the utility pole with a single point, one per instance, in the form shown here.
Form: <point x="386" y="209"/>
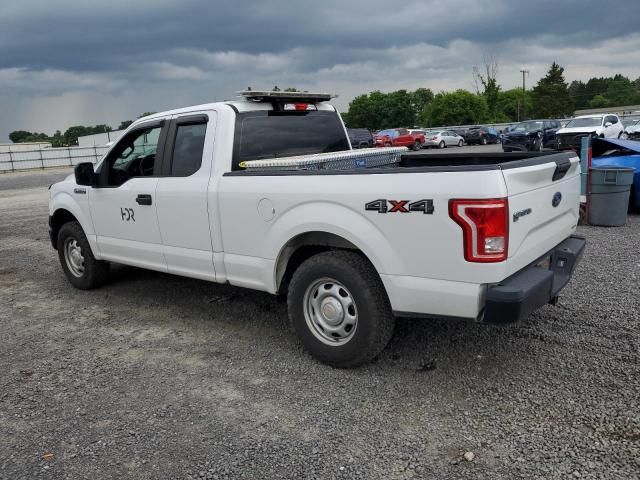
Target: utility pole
<point x="524" y="93"/>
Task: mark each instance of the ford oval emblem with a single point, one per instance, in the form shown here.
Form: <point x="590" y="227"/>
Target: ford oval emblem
<point x="557" y="198"/>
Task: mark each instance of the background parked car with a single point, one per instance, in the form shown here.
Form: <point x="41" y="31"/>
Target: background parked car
<point x="532" y="135"/>
<point x="631" y="130"/>
<point x="459" y="131"/>
<point x="399" y="137"/>
<point x="619" y="153"/>
<point x="360" y="137"/>
<point x="442" y="139"/>
<point x="481" y="136"/>
<point x="603" y="126"/>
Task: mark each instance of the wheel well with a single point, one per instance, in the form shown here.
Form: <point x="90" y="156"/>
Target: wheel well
<point x="304" y="246"/>
<point x="59" y="218"/>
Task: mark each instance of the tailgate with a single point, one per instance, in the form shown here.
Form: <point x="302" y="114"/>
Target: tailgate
<point x="544" y="204"/>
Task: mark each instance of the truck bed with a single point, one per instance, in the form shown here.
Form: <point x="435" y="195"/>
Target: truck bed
<point x="425" y="162"/>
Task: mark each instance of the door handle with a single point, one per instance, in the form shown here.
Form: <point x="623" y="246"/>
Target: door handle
<point x="143" y="199"/>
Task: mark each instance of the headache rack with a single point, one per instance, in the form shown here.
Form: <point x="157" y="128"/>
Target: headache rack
<point x="279" y="96"/>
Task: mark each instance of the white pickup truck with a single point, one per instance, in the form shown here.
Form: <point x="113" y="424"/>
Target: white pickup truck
<point x="486" y="237"/>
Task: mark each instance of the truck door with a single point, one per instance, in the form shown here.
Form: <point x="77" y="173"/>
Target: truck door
<point x="122" y="204"/>
<point x="183" y="213"/>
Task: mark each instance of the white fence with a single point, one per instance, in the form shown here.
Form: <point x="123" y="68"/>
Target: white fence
<point x="50" y="157"/>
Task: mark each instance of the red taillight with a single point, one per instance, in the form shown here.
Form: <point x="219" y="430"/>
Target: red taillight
<point x="485" y="227"/>
<point x="434" y="138"/>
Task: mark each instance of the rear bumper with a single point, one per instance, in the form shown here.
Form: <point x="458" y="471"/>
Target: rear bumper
<point x="516" y="297"/>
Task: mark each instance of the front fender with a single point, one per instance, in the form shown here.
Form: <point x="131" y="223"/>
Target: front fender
<point x="64" y="201"/>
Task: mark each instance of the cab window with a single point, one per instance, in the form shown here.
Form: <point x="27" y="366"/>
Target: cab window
<point x="187" y="149"/>
<point x="133" y="156"/>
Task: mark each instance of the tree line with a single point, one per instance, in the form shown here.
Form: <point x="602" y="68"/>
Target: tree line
<point x="551" y="97"/>
<point x="70" y="135"/>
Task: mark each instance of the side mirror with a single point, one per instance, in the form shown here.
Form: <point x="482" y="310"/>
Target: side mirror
<point x="84" y="174"/>
<point x="608" y="124"/>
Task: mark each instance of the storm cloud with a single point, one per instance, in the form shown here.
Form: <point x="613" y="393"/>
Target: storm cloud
<point x="69" y="62"/>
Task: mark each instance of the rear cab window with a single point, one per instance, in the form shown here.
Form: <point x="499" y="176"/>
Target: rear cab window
<point x="276" y="134"/>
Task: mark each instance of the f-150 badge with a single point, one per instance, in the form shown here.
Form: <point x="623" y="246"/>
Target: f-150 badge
<point x="382" y="205"/>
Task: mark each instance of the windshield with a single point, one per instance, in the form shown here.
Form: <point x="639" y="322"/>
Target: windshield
<point x="527" y="127"/>
<point x="585" y="122"/>
<point x="387" y="133"/>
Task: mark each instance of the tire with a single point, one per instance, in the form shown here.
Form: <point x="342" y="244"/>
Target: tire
<point x="460" y="143"/>
<point x="441" y="144"/>
<point x="483" y="141"/>
<point x="623" y="136"/>
<point x="78" y="263"/>
<point x="364" y="326"/>
<point x="417" y="145"/>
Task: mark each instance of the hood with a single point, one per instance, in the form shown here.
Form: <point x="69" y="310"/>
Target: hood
<point x="578" y="130"/>
<point x="633" y="129"/>
<point x="521" y="133"/>
<point x="601" y="145"/>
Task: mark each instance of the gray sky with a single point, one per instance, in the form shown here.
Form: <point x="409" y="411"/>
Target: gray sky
<point x="67" y="62"/>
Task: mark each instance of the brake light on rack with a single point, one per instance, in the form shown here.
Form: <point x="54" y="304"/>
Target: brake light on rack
<point x="299" y="107"/>
<point x="485" y="228"/>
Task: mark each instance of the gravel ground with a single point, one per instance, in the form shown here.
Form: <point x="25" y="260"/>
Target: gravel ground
<point x="155" y="376"/>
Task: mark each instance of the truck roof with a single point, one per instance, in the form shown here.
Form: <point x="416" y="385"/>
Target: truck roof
<point x="239" y="105"/>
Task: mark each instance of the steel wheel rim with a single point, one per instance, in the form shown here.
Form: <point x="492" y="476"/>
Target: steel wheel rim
<point x="330" y="312"/>
<point x="73" y="257"/>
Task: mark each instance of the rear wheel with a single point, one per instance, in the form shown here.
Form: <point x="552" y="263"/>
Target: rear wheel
<point x="441" y="144"/>
<point x="339" y="309"/>
<point x="78" y="263"/>
<point x="483" y="141"/>
<point x="417" y="145"/>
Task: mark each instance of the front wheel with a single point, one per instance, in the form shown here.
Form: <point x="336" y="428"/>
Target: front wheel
<point x="339" y="309"/>
<point x="78" y="263"/>
<point x="623" y="136"/>
<point x="460" y="143"/>
<point x="483" y="141"/>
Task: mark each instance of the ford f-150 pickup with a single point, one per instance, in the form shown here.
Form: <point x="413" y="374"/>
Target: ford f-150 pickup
<point x="487" y="237"/>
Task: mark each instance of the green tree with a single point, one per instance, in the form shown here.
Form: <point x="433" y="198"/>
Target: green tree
<point x="621" y="91"/>
<point x="58" y="140"/>
<point x="456" y="108"/>
<point x="19" y="136"/>
<point x="487" y="85"/>
<point x="420" y="100"/>
<point x="511" y="103"/>
<point x="551" y="95"/>
<point x="598" y="102"/>
<point x="124" y="124"/>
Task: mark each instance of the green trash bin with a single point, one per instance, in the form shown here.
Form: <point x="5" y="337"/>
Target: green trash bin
<point x="609" y="195"/>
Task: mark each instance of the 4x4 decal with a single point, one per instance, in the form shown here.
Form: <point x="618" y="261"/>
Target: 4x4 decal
<point x="382" y="205"/>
